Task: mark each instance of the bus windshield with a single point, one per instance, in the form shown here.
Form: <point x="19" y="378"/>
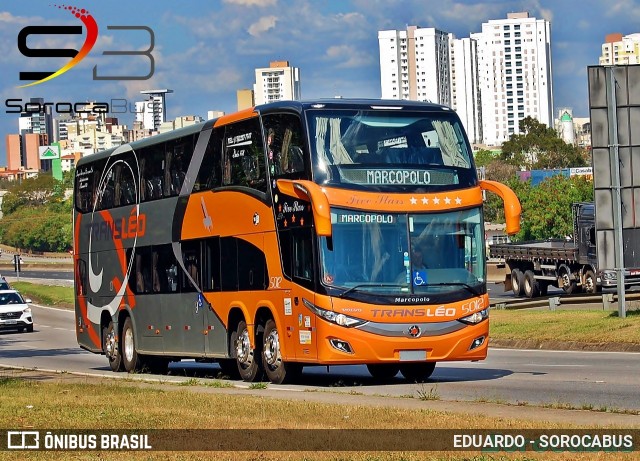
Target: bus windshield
<point x="399" y="253"/>
<point x="383" y="148"/>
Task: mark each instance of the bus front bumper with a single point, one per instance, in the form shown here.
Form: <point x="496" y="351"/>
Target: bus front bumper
<point x="339" y="345"/>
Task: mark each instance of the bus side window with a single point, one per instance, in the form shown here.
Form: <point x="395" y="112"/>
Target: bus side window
<point x="210" y="174"/>
<point x="81" y="280"/>
<point x="191" y="260"/>
<point x="152" y="176"/>
<point x="143" y="280"/>
<point x="244" y="159"/>
<point x="284" y="144"/>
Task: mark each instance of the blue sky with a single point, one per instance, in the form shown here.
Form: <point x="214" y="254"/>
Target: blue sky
<point x="206" y="50"/>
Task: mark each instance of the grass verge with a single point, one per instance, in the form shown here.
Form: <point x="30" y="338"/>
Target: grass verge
<point x="29" y="404"/>
<point x="47" y="295"/>
<point x="588" y="326"/>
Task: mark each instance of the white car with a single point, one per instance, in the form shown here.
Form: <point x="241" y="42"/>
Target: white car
<point x="15" y="312"/>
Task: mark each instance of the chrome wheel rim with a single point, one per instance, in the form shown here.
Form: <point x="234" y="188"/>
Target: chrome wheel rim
<point x="110" y="346"/>
<point x="272" y="350"/>
<point x="128" y="344"/>
<point x="243" y="349"/>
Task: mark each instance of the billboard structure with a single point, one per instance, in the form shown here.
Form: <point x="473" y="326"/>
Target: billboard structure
<point x="614" y="104"/>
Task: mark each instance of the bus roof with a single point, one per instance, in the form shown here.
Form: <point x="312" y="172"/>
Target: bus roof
<point x="297" y="106"/>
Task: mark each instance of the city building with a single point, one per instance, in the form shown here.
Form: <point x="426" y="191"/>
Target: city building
<point x="153" y="112"/>
<point x="277" y="82"/>
<point x="180" y="122"/>
<point x="619" y="50"/>
<point x="465" y="91"/>
<point x="514" y="66"/>
<point x="493" y="79"/>
<point x="245" y="99"/>
<point x="415" y="64"/>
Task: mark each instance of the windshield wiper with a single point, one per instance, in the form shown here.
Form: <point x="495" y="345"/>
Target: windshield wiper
<point x="471" y="289"/>
<point x="376" y="285"/>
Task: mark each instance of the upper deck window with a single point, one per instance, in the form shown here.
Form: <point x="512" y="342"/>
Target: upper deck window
<point x="389" y="148"/>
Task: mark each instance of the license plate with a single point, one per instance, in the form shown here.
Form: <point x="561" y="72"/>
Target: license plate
<point x="413" y="356"/>
<point x="10" y="322"/>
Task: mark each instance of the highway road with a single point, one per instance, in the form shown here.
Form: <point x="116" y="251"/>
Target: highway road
<point x="594" y="380"/>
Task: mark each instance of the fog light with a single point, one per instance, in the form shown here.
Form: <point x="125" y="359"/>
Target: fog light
<point x="477" y="343"/>
<point x="341" y="345"/>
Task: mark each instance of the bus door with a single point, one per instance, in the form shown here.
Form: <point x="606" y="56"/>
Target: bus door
<point x="215" y="341"/>
<point x="303" y="321"/>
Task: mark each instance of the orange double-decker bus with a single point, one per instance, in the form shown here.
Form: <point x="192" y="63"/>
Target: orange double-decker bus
<point x="288" y="235"/>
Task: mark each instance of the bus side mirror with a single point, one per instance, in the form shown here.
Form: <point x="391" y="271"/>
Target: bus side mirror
<point x="310" y="191"/>
<point x="512" y="208"/>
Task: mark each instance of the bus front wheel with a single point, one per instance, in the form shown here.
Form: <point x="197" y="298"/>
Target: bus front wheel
<point x="247" y="359"/>
<point x="110" y="347"/>
<point x="417" y="372"/>
<point x="277" y="370"/>
<point x="383" y="371"/>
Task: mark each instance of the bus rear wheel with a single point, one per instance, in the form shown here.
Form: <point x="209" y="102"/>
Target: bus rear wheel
<point x="417" y="372"/>
<point x="130" y="358"/>
<point x="247" y="359"/>
<point x="110" y="347"/>
<point x="277" y="370"/>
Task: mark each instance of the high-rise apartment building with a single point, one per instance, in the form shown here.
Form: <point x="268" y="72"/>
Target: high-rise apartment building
<point x="465" y="91"/>
<point x="277" y="82"/>
<point x="619" y="50"/>
<point x="493" y="79"/>
<point x="415" y="64"/>
<point x="514" y="68"/>
<point x="153" y="112"/>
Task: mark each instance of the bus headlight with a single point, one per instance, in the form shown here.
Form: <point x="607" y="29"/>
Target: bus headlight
<point x="476" y="317"/>
<point x="330" y="316"/>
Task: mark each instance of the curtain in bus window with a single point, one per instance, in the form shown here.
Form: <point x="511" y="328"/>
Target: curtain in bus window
<point x="449" y="144"/>
<point x="340" y="154"/>
<point x="321" y="135"/>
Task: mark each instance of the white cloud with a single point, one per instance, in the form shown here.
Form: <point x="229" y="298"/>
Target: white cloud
<point x="8" y="18"/>
<point x="263" y="25"/>
<point x="348" y="56"/>
<point x="261" y="3"/>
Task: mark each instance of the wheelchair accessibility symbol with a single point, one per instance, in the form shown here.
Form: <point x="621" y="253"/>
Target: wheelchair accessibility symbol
<point x="419" y="278"/>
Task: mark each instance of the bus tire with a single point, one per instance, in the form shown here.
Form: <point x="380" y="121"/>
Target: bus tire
<point x="383" y="371"/>
<point x="517" y="282"/>
<point x="130" y="358"/>
<point x="277" y="371"/>
<point x="417" y="372"/>
<point x="247" y="359"/>
<point x="531" y="286"/>
<point x="111" y="348"/>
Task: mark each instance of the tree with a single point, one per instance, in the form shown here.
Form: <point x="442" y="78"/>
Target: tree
<point x="483" y="157"/>
<point x="546" y="208"/>
<point x="540" y="147"/>
<point x="42" y="190"/>
<point x="36" y="216"/>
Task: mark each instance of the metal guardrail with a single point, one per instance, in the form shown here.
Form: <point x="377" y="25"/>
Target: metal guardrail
<point x="607" y="300"/>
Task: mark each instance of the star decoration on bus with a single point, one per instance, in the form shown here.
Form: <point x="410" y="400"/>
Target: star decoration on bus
<point x="447" y="200"/>
<point x="436" y="200"/>
<point x="425" y="201"/>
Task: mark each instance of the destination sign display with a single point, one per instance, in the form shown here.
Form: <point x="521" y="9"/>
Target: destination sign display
<point x="400" y="176"/>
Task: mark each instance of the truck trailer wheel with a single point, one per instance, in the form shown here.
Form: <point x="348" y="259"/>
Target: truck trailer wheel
<point x="590" y="285"/>
<point x="569" y="286"/>
<point x="517" y="282"/>
<point x="531" y="286"/>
